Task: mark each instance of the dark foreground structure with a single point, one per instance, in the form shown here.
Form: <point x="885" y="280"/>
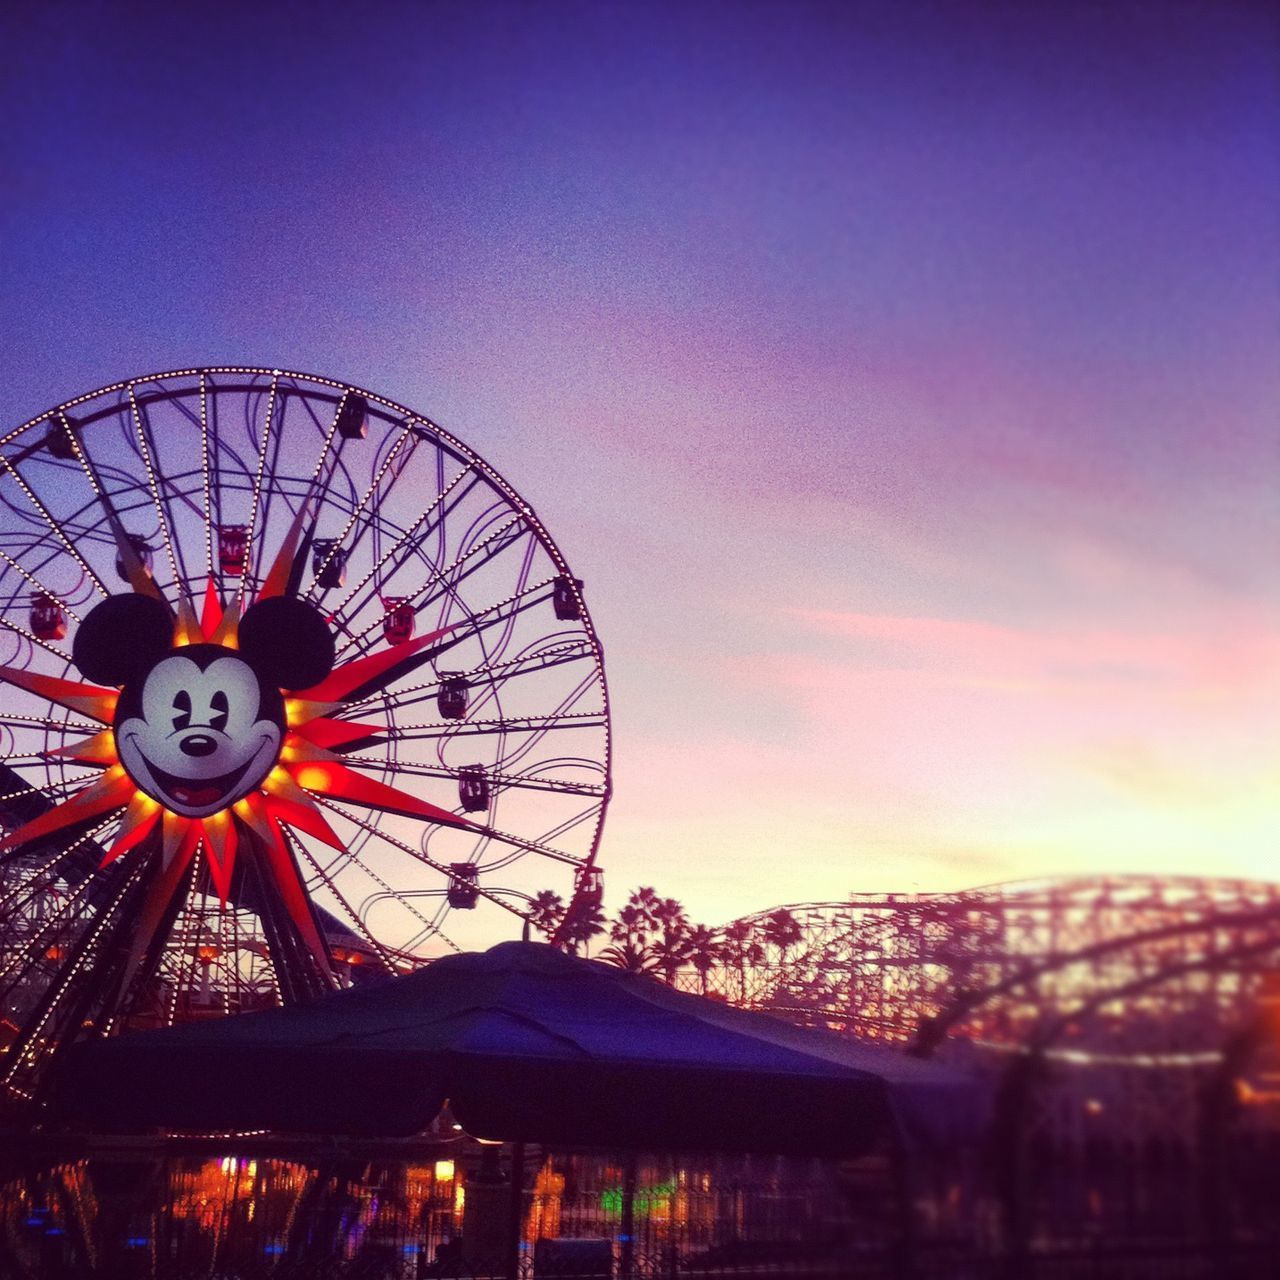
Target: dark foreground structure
<point x="1126" y="1035"/>
<point x="552" y="1053"/>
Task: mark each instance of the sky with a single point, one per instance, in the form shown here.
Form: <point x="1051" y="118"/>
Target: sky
<point x="901" y="380"/>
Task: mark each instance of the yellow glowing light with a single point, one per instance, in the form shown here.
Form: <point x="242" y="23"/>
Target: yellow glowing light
<point x="444" y="1170"/>
<point x="281" y="800"/>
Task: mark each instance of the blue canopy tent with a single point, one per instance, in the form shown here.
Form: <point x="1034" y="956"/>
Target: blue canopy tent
<point x="527" y="1044"/>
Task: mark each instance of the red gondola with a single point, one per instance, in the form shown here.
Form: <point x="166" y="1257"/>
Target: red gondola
<point x="397" y="623"/>
<point x="48" y="620"/>
<point x="233" y="549"/>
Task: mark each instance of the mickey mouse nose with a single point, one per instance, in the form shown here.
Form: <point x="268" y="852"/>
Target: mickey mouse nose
<point x="198" y="744"/>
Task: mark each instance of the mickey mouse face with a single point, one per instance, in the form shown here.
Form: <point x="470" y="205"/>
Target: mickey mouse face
<point x="204" y="733"/>
<point x="199" y="727"/>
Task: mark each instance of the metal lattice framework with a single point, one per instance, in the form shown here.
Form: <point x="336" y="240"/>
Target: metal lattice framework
<point x="1114" y="966"/>
<point x="1129" y="1026"/>
<point x="227" y="485"/>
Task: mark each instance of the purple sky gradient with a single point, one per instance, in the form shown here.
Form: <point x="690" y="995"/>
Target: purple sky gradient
<point x="902" y="380"/>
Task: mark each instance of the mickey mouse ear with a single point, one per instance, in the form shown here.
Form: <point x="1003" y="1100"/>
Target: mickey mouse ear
<point x="287" y="642"/>
<point x="122" y="639"/>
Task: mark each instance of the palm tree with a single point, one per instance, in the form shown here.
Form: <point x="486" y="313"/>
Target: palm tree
<point x="584" y="922"/>
<point x="670" y="954"/>
<point x="546" y="911"/>
<point x="671" y="948"/>
<point x="629" y="955"/>
<point x="742" y="949"/>
<point x="782" y="930"/>
<point x="645" y="900"/>
<point x="704" y="952"/>
<point x="630" y="925"/>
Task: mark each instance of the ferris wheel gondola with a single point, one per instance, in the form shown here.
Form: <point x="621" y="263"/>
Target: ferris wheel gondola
<point x="172" y="548"/>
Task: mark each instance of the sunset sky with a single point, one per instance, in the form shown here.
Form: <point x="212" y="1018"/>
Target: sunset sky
<point x="902" y="380"/>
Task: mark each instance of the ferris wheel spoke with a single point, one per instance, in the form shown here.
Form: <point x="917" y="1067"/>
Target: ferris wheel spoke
<point x="384" y="891"/>
<point x="347" y="909"/>
<point x="14" y="967"/>
<point x="53" y="525"/>
<point x="256" y="501"/>
<point x="409" y="544"/>
<point x="39" y="586"/>
<point x="27" y="892"/>
<point x="499" y="676"/>
<point x="340" y="544"/>
<point x="16" y="721"/>
<point x="390" y="676"/>
<point x="562" y="715"/>
<point x="497" y="615"/>
<point x="444" y="585"/>
<point x="525" y="845"/>
<point x="145" y="448"/>
<point x="494" y="777"/>
<point x="204" y="472"/>
<point x="417" y="854"/>
<point x="20" y="1052"/>
<point x="431" y="732"/>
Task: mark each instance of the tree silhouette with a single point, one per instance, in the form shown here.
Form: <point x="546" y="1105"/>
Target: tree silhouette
<point x="782" y="930"/>
<point x="704" y="952"/>
<point x="629" y="955"/>
<point x="546" y="911"/>
<point x="670" y="948"/>
<point x="584" y="921"/>
<point x="650" y="934"/>
<point x="742" y="949"/>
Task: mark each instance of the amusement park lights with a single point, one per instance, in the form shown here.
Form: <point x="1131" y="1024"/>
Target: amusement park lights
<point x="178" y="817"/>
<point x="198" y="791"/>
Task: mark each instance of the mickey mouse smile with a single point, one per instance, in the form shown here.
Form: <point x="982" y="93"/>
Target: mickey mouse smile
<point x="198" y="793"/>
<point x="201" y="732"/>
<point x="199" y="726"/>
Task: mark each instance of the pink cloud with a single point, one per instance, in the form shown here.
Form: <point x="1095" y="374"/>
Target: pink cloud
<point x="1230" y="654"/>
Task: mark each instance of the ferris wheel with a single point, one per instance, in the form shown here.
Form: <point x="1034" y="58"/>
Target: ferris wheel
<point x="294" y="688"/>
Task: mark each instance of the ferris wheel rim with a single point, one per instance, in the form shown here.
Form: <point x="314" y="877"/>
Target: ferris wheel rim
<point x="318" y="386"/>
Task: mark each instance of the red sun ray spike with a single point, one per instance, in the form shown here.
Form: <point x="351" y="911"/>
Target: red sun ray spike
<point x="334" y="779"/>
<point x="112" y="791"/>
<point x="351" y="675"/>
<point x="88" y="699"/>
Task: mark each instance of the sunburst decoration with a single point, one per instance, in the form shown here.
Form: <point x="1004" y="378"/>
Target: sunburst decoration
<point x="308" y="765"/>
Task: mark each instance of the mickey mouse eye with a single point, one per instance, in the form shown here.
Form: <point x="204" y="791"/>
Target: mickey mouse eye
<point x="182" y="706"/>
<point x="218" y="703"/>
